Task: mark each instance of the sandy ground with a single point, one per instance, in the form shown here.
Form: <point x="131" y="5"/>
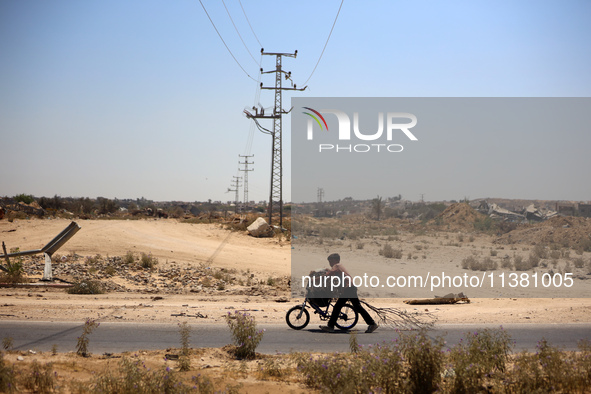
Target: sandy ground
<point x="192" y="244"/>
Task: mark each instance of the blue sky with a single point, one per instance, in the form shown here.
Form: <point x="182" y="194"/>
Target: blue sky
<point x="140" y="98"/>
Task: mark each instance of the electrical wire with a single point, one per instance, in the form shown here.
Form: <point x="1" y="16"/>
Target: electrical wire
<point x="231" y="54"/>
<point x="251" y="29"/>
<point x="257" y="95"/>
<point x="328" y="38"/>
<point x="237" y="32"/>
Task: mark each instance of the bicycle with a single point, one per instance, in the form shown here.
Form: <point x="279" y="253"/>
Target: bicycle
<point x="298" y="316"/>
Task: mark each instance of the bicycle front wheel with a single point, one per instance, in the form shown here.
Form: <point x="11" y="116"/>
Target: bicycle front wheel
<point x="297" y="317"/>
<point x="348" y="317"/>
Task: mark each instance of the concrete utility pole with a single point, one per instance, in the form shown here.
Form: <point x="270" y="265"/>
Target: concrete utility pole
<point x="276" y="194"/>
<point x="246" y="170"/>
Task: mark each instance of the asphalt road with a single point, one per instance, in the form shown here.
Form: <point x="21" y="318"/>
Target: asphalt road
<point x="121" y="336"/>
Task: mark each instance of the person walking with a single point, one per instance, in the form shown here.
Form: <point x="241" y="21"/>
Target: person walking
<point x="349" y="293"/>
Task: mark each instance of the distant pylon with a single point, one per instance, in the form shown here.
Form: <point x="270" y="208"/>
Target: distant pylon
<point x="246" y="171"/>
<point x="320" y="194"/>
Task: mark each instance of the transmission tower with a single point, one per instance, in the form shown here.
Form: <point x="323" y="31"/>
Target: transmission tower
<point x="246" y="170"/>
<point x="320" y="194"/>
<point x="236" y="188"/>
<point x="275" y="196"/>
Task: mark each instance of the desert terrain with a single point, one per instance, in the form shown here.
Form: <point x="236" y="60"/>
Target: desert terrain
<point x="206" y="269"/>
<point x="197" y="273"/>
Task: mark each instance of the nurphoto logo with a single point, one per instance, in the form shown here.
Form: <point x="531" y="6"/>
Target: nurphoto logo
<point x="391" y="124"/>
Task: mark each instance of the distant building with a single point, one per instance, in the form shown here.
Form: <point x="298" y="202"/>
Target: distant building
<point x="585" y="210"/>
<point x="565" y="209"/>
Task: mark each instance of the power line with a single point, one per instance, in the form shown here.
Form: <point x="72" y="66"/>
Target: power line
<point x="231" y="54"/>
<point x="251" y="29"/>
<point x="328" y="38"/>
<point x="257" y="95"/>
<point x="235" y="28"/>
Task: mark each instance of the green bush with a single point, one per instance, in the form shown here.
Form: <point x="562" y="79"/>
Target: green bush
<point x="15" y="273"/>
<point x="25" y="198"/>
<point x="244" y="333"/>
<point x="147" y="261"/>
<point x="129" y="258"/>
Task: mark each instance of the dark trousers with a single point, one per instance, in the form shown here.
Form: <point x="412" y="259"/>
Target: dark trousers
<point x="349" y="295"/>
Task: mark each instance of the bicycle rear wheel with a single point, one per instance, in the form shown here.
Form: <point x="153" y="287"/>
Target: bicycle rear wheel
<point x="297" y="317"/>
<point x="348" y="317"/>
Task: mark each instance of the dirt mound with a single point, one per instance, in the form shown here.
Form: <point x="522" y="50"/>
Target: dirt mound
<point x="459" y="216"/>
<point x="566" y="231"/>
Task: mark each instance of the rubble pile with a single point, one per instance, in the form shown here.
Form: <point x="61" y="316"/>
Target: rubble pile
<point x="565" y="231"/>
<point x="117" y="275"/>
<point x="458" y="216"/>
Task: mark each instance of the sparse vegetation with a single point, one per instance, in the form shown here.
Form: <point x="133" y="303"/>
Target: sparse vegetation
<point x="486" y="264"/>
<point x="414" y="362"/>
<point x="86" y="287"/>
<point x="82" y="346"/>
<point x="185" y="335"/>
<point x="389" y="252"/>
<point x="147" y="261"/>
<point x="129" y="258"/>
<point x="244" y="333"/>
<point x="480" y="357"/>
<point x="15" y="272"/>
<point x="40" y="378"/>
<point x="519" y="264"/>
<point x="7" y="343"/>
<point x="7" y="376"/>
<point x="134" y="377"/>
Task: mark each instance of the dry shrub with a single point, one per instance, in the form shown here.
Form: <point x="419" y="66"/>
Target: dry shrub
<point x="480" y="356"/>
<point x="86" y="287"/>
<point x="134" y="377"/>
<point x="412" y="363"/>
<point x="7" y="376"/>
<point x="472" y="263"/>
<point x="551" y="370"/>
<point x="519" y="264"/>
<point x="40" y="379"/>
<point x="579" y="262"/>
<point x="148" y="261"/>
<point x="389" y="252"/>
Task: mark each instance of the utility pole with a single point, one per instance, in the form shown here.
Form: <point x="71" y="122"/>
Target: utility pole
<point x="246" y="170"/>
<point x="276" y="193"/>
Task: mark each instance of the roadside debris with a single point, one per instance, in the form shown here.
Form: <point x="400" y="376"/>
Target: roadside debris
<point x="260" y="228"/>
<point x="197" y="315"/>
<point x="450" y="298"/>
